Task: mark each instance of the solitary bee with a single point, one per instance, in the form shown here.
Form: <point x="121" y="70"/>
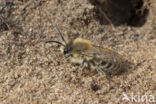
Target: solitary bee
<point x="83" y="52"/>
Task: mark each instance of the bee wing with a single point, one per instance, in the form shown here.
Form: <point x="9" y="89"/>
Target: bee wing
<point x="102" y="54"/>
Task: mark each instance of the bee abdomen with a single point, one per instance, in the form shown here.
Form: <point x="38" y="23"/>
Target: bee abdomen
<point x="104" y="66"/>
<point x="110" y="68"/>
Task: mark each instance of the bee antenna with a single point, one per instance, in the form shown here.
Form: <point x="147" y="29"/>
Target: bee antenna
<point x="60" y="33"/>
<point x="55" y="42"/>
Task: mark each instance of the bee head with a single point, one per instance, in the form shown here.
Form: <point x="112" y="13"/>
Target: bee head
<point x="67" y="49"/>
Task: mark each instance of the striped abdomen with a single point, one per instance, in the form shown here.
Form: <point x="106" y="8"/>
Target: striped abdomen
<point x="112" y="66"/>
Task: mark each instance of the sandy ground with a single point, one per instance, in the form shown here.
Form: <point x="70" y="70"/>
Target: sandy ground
<point x="32" y="72"/>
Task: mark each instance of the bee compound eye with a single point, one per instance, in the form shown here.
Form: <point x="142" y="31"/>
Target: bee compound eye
<point x="67" y="49"/>
<point x="65" y="52"/>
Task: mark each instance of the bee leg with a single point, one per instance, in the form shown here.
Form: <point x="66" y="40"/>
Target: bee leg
<point x="82" y="64"/>
<point x="82" y="67"/>
<point x="80" y="72"/>
<point x="99" y="70"/>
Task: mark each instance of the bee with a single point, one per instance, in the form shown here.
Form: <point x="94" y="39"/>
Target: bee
<point x="87" y="55"/>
